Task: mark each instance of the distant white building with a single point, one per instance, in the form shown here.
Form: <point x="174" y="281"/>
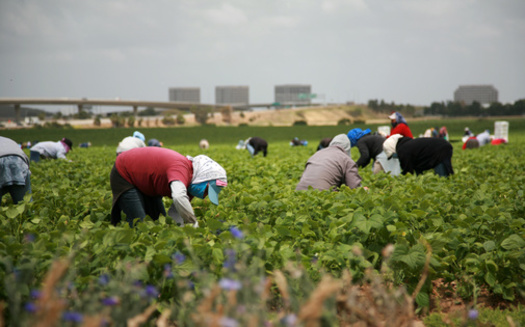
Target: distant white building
<point x="293" y="94"/>
<point x="484" y="94"/>
<point x="185" y="94"/>
<point x="232" y="95"/>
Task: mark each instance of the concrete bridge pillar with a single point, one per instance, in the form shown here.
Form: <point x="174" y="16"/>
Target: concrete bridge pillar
<point x="79" y="108"/>
<point x="17" y="113"/>
<point x="135" y="110"/>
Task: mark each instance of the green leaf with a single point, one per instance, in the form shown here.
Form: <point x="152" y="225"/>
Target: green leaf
<point x="490" y="279"/>
<point x="87" y="224"/>
<point x="150" y="251"/>
<point x="489" y="246"/>
<point x="11" y="213"/>
<point x="422" y="299"/>
<point x="217" y="255"/>
<point x="513" y="242"/>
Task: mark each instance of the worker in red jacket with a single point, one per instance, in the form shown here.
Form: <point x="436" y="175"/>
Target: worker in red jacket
<point x="399" y="125"/>
<point x="142" y="176"/>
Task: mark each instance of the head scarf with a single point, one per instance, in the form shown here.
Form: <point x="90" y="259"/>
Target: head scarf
<point x="205" y="169"/>
<point x="389" y="146"/>
<point x="341" y="141"/>
<point x="399" y="119"/>
<point x="139" y="135"/>
<point x="355" y="134"/>
<point x="68" y="145"/>
<point x="207" y="172"/>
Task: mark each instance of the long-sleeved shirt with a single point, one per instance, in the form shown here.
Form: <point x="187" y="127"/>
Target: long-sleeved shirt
<point x="369" y="147"/>
<point x="402" y="129"/>
<point x="328" y="169"/>
<point x="50" y="149"/>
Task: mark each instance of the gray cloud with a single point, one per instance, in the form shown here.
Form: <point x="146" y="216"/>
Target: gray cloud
<point x="406" y="51"/>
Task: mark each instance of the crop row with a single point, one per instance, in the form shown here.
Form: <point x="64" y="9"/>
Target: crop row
<point x="472" y="221"/>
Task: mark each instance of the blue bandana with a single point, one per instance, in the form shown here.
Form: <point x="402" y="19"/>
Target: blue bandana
<point x="198" y="189"/>
<point x="355" y="134"/>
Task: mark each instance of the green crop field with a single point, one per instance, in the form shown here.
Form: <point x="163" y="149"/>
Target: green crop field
<point x="466" y="231"/>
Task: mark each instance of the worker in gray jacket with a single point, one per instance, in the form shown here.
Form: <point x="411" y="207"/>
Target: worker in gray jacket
<point x="14" y="170"/>
<point x="331" y="167"/>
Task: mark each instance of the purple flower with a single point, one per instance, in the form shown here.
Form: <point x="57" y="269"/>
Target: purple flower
<point x="229" y="263"/>
<point x="72" y="316"/>
<point x="30" y="238"/>
<point x="111" y="301"/>
<point x="228" y="322"/>
<point x="30" y="307"/>
<point x="289" y="320"/>
<point x="103" y="279"/>
<point x="151" y="291"/>
<point x="35" y="294"/>
<point x="191" y="285"/>
<point x="179" y="257"/>
<point x="230" y="284"/>
<point x="237" y="233"/>
<point x="473" y="314"/>
<point x="167" y="271"/>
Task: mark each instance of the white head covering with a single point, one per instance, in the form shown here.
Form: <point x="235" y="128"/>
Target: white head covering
<point x="389" y="146"/>
<point x="342" y="141"/>
<point x="205" y="169"/>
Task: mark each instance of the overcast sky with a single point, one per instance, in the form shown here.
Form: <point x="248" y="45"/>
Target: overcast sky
<point x="406" y="51"/>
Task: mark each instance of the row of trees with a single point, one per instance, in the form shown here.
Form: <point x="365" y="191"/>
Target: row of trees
<point x="201" y="116"/>
<point x="456" y="109"/>
<point x="386" y="108"/>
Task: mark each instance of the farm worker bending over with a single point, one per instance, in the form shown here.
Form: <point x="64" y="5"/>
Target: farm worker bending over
<point x="399" y="125"/>
<point x="50" y="150"/>
<point x="14" y="170"/>
<point x="142" y="176"/>
<point x="418" y="155"/>
<point x="331" y="167"/>
<point x="484" y="138"/>
<point x="370" y="146"/>
<point x="155" y="142"/>
<point x="131" y="142"/>
<point x="324" y="143"/>
<point x="256" y="145"/>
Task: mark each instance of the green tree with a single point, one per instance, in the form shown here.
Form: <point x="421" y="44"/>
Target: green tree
<point x="180" y="119"/>
<point x="97" y="121"/>
<point x="168" y="120"/>
<point x="201" y="115"/>
<point x="131" y="121"/>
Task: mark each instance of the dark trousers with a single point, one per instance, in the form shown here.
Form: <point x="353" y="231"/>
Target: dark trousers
<point x="137" y="205"/>
<point x="34" y="156"/>
<point x="17" y="191"/>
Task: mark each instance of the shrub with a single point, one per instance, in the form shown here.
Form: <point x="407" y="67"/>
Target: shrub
<point x="344" y="121"/>
<point x="300" y="123"/>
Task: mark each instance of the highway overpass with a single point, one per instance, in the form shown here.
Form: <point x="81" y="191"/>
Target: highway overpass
<point x="81" y="103"/>
<point x="135" y="104"/>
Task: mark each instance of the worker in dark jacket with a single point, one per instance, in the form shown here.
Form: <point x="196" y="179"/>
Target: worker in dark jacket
<point x="370" y="146"/>
<point x="419" y="155"/>
<point x="255" y="145"/>
<point x="324" y="143"/>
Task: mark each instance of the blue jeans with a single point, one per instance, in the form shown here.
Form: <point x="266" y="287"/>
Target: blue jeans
<point x="137" y="205"/>
<point x="17" y="191"/>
